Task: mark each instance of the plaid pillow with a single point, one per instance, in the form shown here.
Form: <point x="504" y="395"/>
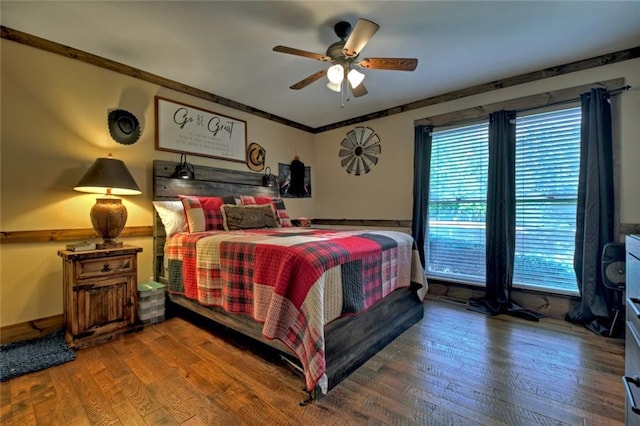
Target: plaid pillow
<point x="203" y="213"/>
<point x="278" y="205"/>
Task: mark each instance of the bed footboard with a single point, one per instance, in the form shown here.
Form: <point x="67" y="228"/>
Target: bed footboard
<point x="349" y="341"/>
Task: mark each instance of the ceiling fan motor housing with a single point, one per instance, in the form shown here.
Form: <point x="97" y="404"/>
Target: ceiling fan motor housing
<point x="342" y="29"/>
<point x="335" y="52"/>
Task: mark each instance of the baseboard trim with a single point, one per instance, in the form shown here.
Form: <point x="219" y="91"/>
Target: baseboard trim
<point x="31" y="329"/>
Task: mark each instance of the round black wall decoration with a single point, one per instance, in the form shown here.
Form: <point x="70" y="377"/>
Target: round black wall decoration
<point x="124" y="127"/>
<point x="359" y="150"/>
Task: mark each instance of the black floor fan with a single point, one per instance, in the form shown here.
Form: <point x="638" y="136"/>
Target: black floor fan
<point x="613" y="278"/>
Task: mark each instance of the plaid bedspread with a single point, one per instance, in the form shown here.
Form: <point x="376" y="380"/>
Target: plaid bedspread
<point x="293" y="280"/>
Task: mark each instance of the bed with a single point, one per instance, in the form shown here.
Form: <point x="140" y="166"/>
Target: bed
<point x="305" y="292"/>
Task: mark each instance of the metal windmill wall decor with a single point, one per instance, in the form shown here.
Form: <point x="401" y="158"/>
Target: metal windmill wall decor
<point x="359" y="150"/>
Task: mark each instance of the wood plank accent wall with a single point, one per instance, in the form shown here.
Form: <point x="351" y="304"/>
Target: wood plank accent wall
<point x="50" y="46"/>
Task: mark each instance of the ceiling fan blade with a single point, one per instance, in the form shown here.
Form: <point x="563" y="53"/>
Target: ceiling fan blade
<point x="358" y="91"/>
<point x="359" y="37"/>
<point x="393" y="64"/>
<point x="307" y="81"/>
<point x="298" y="52"/>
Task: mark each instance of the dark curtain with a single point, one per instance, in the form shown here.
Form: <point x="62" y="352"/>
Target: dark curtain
<point x="594" y="213"/>
<point x="421" y="165"/>
<point x="501" y="220"/>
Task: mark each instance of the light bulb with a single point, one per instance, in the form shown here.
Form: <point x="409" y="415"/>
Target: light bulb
<point x="335" y="74"/>
<point x="355" y="77"/>
<point x="336" y="87"/>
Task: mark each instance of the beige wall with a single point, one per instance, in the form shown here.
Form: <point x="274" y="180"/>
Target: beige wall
<point x="53" y="125"/>
<point x="386" y="191"/>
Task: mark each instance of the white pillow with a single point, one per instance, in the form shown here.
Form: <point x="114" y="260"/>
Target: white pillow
<point x="172" y="216"/>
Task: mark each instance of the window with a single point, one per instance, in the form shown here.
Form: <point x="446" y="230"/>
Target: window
<point x="547" y="167"/>
<point x="457" y="204"/>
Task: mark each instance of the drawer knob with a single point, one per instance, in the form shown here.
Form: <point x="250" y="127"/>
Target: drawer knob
<point x="106" y="268"/>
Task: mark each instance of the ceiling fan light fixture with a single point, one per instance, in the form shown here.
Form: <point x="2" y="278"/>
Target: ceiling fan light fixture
<point x="336" y="87"/>
<point x="342" y="55"/>
<point x="335" y="74"/>
<point x="355" y="77"/>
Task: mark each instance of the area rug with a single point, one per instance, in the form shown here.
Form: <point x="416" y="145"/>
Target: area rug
<point x="20" y="358"/>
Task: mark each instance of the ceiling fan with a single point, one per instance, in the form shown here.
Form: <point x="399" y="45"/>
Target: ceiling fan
<point x="344" y="55"/>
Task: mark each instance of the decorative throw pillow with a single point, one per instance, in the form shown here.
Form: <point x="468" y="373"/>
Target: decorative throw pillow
<point x="248" y="217"/>
<point x="203" y="213"/>
<point x="172" y="216"/>
<point x="278" y="205"/>
<point x="281" y="213"/>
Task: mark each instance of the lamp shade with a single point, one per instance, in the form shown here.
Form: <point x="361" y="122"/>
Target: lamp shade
<point x="108" y="175"/>
<point x="108" y="216"/>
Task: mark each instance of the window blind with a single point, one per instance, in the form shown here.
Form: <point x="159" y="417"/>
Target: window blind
<point x="547" y="169"/>
<point x="457" y="204"/>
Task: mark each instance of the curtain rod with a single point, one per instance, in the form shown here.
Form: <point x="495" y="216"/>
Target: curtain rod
<point x="621" y="89"/>
<point x="570" y="101"/>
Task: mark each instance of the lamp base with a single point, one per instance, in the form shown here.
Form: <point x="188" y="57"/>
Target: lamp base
<point x="108" y="217"/>
<point x="106" y="245"/>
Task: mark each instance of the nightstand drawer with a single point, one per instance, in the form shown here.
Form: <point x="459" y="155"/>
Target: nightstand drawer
<point x="91" y="268"/>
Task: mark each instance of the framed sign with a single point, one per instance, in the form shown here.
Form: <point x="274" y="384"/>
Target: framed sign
<point x="284" y="182"/>
<point x="184" y="128"/>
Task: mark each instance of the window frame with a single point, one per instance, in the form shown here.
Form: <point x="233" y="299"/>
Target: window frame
<point x="481" y="283"/>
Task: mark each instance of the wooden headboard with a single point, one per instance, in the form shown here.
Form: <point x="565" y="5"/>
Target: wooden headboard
<point x="209" y="181"/>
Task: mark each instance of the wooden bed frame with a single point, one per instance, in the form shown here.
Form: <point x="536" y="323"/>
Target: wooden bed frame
<point x="349" y="341"/>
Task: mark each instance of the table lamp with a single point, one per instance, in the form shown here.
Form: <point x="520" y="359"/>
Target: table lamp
<point x="108" y="215"/>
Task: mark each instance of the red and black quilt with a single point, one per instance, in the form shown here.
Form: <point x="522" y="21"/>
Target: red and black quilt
<point x="294" y="281"/>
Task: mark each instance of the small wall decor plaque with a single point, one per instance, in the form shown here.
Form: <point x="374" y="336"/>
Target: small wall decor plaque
<point x="184" y="128"/>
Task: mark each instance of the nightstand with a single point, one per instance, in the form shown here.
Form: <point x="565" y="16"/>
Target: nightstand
<point x="100" y="294"/>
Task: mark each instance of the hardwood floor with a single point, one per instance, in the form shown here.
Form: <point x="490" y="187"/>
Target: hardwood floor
<point x="453" y="367"/>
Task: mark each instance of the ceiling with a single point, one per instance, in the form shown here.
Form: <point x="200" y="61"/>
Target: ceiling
<point x="225" y="47"/>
